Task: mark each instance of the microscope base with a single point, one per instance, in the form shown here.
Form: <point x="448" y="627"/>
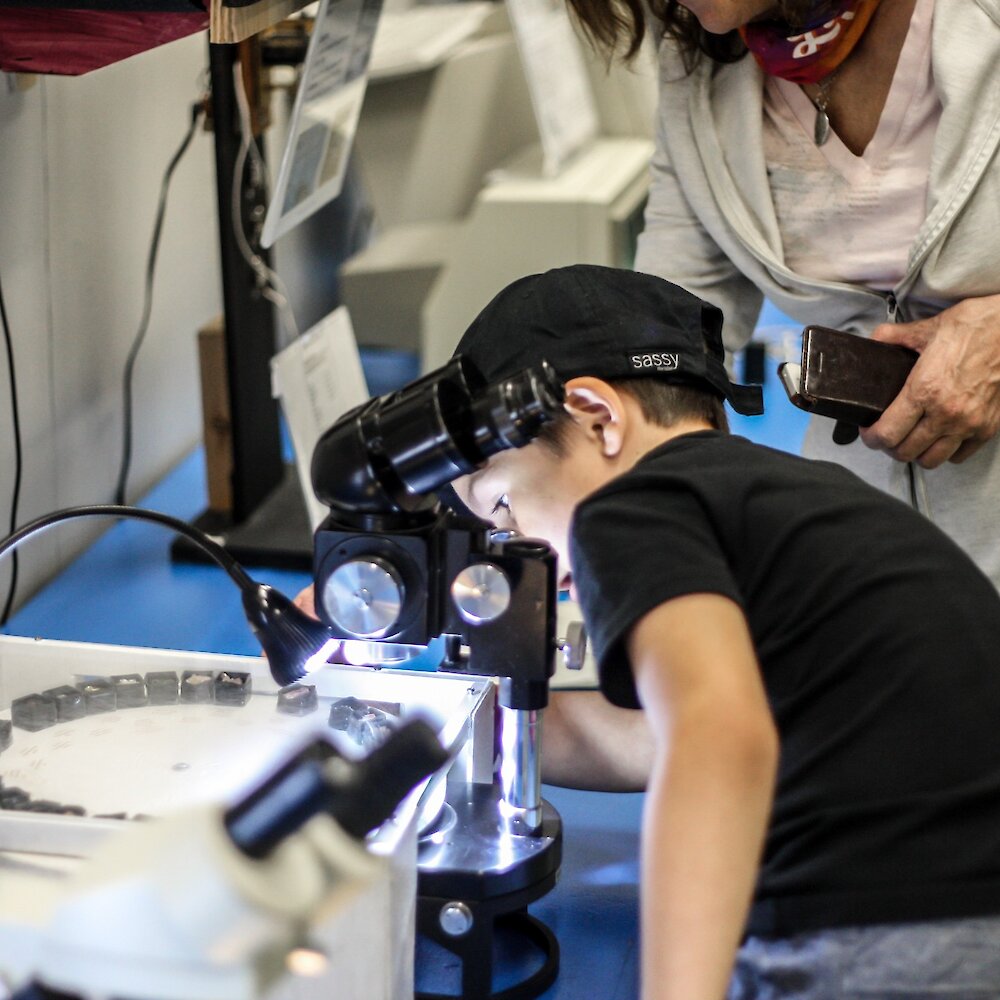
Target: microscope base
<point x="478" y="879"/>
<point x="276" y="534"/>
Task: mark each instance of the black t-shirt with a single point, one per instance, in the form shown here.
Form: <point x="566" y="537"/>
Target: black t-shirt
<point x="879" y="646"/>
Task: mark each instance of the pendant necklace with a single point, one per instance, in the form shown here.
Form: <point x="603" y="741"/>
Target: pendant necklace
<point x="821" y="127"/>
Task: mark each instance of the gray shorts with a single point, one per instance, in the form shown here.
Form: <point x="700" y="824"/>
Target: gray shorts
<point x="921" y="961"/>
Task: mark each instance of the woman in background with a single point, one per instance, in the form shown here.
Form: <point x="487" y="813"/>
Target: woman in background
<point x="841" y="159"/>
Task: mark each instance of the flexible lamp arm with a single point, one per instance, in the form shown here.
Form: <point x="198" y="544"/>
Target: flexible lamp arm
<point x="211" y="548"/>
<point x="264" y="818"/>
<point x="292" y="640"/>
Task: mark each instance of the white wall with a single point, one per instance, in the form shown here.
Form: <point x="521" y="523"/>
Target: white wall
<point x="81" y="161"/>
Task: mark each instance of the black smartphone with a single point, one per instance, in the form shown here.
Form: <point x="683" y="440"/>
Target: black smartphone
<point x="846" y="377"/>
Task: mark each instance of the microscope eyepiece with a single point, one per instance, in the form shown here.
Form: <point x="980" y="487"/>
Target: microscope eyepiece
<point x="386" y="557"/>
<point x="389" y="455"/>
<point x="510" y="413"/>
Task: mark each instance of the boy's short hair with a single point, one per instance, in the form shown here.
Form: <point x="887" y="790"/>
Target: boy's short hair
<point x="661" y="403"/>
<point x="608" y="323"/>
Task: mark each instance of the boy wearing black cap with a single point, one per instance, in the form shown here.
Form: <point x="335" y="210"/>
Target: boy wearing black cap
<point x="818" y="664"/>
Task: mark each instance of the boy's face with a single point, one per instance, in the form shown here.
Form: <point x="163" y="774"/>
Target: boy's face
<point x="534" y="491"/>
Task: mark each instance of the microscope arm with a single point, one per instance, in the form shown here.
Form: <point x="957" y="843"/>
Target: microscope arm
<point x="391" y="565"/>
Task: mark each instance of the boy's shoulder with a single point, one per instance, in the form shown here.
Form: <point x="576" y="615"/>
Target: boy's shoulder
<point x="712" y="450"/>
<point x="727" y="472"/>
<point x="698" y="454"/>
<point x="699" y="462"/>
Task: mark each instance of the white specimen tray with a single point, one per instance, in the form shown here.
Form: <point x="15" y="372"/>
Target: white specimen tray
<point x="155" y="759"/>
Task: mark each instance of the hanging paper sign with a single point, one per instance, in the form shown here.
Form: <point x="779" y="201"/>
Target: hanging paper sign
<point x="560" y="90"/>
<point x="318" y="378"/>
<point x="325" y="116"/>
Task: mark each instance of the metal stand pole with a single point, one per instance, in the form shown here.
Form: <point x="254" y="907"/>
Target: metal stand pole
<point x="268" y="524"/>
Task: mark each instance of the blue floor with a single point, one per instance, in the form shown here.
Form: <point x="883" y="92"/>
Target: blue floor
<point x="125" y="590"/>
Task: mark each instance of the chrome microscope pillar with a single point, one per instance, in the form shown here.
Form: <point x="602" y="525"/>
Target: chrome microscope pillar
<point x="396" y="566"/>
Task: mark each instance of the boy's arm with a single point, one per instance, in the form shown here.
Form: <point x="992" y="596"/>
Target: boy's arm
<point x="586" y="741"/>
<point x="589" y="743"/>
<point x="709" y="797"/>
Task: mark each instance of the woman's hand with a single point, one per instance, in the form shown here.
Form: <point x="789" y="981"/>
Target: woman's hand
<point x="305" y="600"/>
<point x="950" y="405"/>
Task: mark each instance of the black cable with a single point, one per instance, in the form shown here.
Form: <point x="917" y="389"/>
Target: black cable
<point x="16" y="419"/>
<point x="126" y="461"/>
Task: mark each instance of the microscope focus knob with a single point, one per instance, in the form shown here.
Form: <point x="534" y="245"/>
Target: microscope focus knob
<point x="364" y="597"/>
<point x="481" y="593"/>
<point x="574" y="646"/>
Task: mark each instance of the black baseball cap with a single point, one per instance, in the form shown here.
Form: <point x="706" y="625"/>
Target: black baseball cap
<point x="609" y="323"/>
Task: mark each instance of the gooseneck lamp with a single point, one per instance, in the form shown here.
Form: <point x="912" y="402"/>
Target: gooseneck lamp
<point x="293" y="642"/>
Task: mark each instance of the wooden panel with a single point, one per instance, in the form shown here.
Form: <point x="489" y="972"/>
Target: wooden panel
<point x="234" y="24"/>
<point x="216" y="416"/>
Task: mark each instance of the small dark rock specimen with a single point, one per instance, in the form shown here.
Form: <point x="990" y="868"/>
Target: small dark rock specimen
<point x="34" y="712"/>
<point x="232" y="688"/>
<point x="130" y="690"/>
<point x="298" y="699"/>
<point x="197" y="686"/>
<point x="98" y="695"/>
<point x="162" y="687"/>
<point x="69" y="701"/>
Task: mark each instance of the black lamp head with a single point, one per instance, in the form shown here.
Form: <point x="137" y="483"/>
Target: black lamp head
<point x="294" y="643"/>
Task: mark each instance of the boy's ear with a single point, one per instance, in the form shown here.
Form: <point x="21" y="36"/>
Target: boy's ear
<point x="596" y="408"/>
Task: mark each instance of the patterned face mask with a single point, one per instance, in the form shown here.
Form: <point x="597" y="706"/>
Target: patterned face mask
<point x="815" y="50"/>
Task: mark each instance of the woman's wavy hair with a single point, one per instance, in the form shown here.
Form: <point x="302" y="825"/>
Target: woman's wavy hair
<point x="621" y="25"/>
